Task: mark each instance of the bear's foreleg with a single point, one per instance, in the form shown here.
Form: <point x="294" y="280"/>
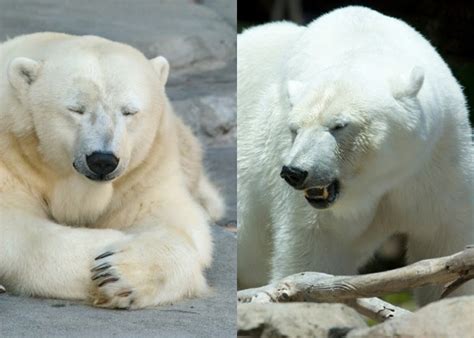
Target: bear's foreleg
<point x="163" y="260"/>
<point x="45" y="259"/>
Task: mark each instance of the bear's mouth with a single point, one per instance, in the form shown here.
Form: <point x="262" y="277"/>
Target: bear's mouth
<point x="100" y="178"/>
<point x="322" y="197"/>
<point x="94" y="177"/>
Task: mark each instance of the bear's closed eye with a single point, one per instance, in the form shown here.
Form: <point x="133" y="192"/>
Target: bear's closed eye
<point x="339" y="126"/>
<point x="78" y="110"/>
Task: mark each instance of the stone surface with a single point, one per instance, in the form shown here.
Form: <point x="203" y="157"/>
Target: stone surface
<point x="452" y="317"/>
<point x="182" y="31"/>
<point x="295" y="319"/>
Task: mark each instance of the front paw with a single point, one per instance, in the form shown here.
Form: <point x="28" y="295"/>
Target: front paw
<point x="110" y="288"/>
<point x="139" y="273"/>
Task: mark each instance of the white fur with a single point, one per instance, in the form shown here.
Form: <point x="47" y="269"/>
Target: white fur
<point x="63" y="97"/>
<point x="404" y="159"/>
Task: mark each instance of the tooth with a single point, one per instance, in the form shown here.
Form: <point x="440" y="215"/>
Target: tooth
<point x="325" y="193"/>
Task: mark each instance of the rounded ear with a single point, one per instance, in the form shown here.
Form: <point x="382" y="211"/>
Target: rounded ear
<point x="410" y="87"/>
<point x="22" y="72"/>
<point x="162" y="67"/>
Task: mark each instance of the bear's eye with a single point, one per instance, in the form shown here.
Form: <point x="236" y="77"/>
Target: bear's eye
<point x="77" y="109"/>
<point x="129" y="112"/>
<point x="338" y="126"/>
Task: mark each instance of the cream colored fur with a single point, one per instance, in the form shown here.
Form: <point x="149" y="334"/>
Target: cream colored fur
<point x="153" y="218"/>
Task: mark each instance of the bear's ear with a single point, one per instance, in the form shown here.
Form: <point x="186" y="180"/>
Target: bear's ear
<point x="295" y="90"/>
<point x="411" y="85"/>
<point x="162" y="67"/>
<point x="22" y="72"/>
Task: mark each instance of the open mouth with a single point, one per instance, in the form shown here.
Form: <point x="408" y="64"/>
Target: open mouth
<point x="324" y="196"/>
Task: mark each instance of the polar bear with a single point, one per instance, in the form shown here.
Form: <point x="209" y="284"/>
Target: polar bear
<point x="103" y="196"/>
<point x="350" y="130"/>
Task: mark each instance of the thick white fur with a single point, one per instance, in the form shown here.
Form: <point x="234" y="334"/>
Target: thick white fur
<point x="405" y="158"/>
<point x="154" y="216"/>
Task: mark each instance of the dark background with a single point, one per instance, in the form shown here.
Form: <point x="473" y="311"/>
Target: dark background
<point x="448" y="25"/>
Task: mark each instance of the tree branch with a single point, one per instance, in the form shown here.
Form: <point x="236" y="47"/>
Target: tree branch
<point x="451" y="271"/>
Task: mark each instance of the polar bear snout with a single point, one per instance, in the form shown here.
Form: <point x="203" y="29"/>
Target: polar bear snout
<point x="321" y="195"/>
<point x="294" y="176"/>
<point x="102" y="164"/>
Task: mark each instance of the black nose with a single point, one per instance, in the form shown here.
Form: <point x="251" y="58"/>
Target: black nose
<point x="293" y="176"/>
<point x="102" y="163"/>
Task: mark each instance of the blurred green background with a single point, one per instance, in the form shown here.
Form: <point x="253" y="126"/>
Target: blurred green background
<point x="448" y="25"/>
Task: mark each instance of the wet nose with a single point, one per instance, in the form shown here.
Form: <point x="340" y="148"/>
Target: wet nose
<point x="293" y="176"/>
<point x="102" y="163"/>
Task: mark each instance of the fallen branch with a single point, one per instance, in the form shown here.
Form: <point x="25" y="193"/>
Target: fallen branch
<point x="450" y="271"/>
<point x="376" y="308"/>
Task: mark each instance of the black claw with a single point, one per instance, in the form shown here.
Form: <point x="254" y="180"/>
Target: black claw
<point x="100" y="275"/>
<point x="124" y="293"/>
<point x="105" y="254"/>
<point x="107" y="281"/>
<point x="101" y="267"/>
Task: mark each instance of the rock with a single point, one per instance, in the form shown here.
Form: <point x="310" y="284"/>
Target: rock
<point x="225" y="9"/>
<point x="452" y="317"/>
<point x="296" y="319"/>
<point x="212" y="118"/>
<point x="186" y="33"/>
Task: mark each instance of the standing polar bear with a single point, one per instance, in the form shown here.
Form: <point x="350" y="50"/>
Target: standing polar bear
<point x="369" y="129"/>
<point x="102" y="190"/>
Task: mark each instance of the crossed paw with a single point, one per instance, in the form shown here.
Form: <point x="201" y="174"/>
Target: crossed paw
<point x="124" y="277"/>
<point x="139" y="272"/>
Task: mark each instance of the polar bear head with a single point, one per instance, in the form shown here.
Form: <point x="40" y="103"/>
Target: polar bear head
<point x="353" y="136"/>
<point x="94" y="105"/>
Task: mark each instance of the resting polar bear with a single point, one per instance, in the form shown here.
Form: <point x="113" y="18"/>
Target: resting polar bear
<point x="102" y="191"/>
<point x="363" y="118"/>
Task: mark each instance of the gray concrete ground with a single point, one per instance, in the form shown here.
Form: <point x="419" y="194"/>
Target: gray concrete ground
<point x="199" y="41"/>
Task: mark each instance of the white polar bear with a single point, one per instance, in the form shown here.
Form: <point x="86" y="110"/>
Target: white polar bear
<point x="369" y="129"/>
<point x="102" y="191"/>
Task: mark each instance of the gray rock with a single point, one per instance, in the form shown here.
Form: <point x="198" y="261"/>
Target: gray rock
<point x="212" y="118"/>
<point x="452" y="317"/>
<point x="184" y="32"/>
<point x="226" y="8"/>
<point x="296" y="319"/>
